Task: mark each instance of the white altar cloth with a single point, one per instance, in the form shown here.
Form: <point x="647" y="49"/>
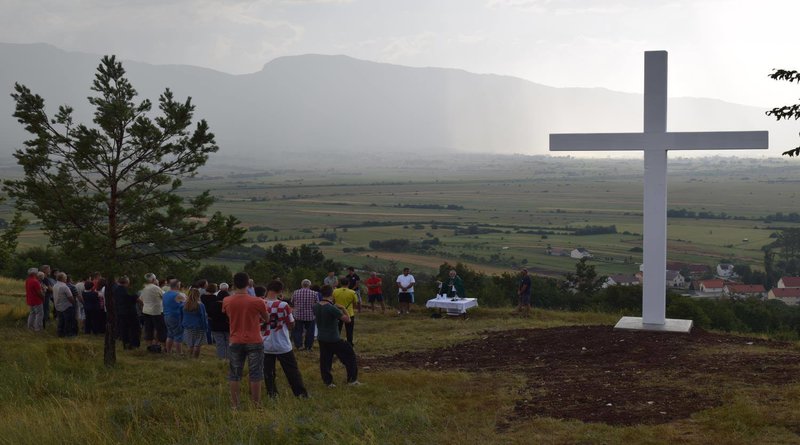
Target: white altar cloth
<point x="453" y="307"/>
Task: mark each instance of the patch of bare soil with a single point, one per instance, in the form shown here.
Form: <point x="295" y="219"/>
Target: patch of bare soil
<point x="597" y="374"/>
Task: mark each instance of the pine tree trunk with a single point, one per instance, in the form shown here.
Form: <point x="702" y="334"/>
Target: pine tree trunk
<point x="109" y="345"/>
<point x="110" y="342"/>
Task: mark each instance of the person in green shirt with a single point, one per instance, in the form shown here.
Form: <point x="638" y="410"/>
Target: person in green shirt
<point x="453" y="286"/>
<point x="328" y="315"/>
<point x="348" y="299"/>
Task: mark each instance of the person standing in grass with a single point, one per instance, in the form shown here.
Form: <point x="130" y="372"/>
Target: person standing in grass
<point x="453" y="286"/>
<point x="245" y="314"/>
<point x="328" y="315"/>
<point x="91" y="306"/>
<point x="47" y="283"/>
<point x="524" y="293"/>
<point x="64" y="304"/>
<point x="331" y="280"/>
<point x="303" y="301"/>
<point x="194" y="320"/>
<point x="155" y="329"/>
<point x="217" y="321"/>
<point x="346" y="298"/>
<point x="375" y="291"/>
<point x="173" y="302"/>
<point x="405" y="290"/>
<point x="125" y="309"/>
<point x="34" y="298"/>
<point x="354" y="284"/>
<point x="80" y="311"/>
<point x="278" y="345"/>
<point x="223" y="290"/>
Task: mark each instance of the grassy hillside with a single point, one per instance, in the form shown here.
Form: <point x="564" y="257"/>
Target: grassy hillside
<point x="57" y="391"/>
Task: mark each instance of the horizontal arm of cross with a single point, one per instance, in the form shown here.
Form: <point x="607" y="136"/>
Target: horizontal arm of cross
<point x="706" y="140"/>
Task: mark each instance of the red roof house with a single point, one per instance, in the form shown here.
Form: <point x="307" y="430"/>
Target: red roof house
<point x="789" y="295"/>
<point x="789" y="282"/>
<point x="744" y="290"/>
<point x="712" y="286"/>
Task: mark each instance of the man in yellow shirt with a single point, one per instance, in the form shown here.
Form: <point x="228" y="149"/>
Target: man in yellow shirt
<point x="345" y="297"/>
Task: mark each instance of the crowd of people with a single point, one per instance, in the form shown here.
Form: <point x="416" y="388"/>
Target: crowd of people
<point x="256" y="326"/>
<point x="259" y="326"/>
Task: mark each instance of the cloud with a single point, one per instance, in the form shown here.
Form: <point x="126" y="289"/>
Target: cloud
<point x="568" y="7"/>
<point x="405" y="47"/>
<point x="468" y="39"/>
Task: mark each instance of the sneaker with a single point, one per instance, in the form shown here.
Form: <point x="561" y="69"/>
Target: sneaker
<point x="355" y="383"/>
<point x="332" y="385"/>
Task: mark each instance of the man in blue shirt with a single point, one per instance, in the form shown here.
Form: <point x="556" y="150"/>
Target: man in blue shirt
<point x="173" y="301"/>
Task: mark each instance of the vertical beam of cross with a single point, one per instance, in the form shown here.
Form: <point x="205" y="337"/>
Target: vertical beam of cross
<point x="655" y="188"/>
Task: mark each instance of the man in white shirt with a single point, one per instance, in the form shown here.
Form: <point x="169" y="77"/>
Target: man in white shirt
<point x="64" y="303"/>
<point x="155" y="330"/>
<point x="405" y="290"/>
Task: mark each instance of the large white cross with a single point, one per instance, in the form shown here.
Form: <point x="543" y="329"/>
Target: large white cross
<point x="656" y="141"/>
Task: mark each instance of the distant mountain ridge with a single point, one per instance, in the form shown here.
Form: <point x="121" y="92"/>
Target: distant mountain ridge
<point x="337" y="104"/>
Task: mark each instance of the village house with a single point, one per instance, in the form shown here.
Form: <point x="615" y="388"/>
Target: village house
<point x="675" y="279"/>
<point x="711" y="287"/>
<point x="579" y="253"/>
<point x="789" y="295"/>
<point x="697" y="271"/>
<point x="789" y="282"/>
<point x="621" y="280"/>
<point x="737" y="290"/>
<point x="725" y="270"/>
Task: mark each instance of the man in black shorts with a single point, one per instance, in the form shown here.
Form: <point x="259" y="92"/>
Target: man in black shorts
<point x="405" y="290"/>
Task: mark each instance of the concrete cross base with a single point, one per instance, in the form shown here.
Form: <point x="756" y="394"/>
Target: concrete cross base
<point x="670" y="325"/>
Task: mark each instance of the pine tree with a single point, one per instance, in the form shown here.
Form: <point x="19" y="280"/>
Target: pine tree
<point x="107" y="193"/>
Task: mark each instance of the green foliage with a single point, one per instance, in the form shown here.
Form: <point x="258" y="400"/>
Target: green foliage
<point x="398" y="245"/>
<point x="391" y="245"/>
<point x="595" y="230"/>
<point x="108" y="193"/>
<point x="584" y="282"/>
<point x="782" y="257"/>
<point x="750" y="276"/>
<point x="34" y="257"/>
<point x="215" y="273"/>
<point x="616" y="298"/>
<point x="278" y="261"/>
<point x="8" y="240"/>
<point x="787" y="111"/>
<point x="684" y="308"/>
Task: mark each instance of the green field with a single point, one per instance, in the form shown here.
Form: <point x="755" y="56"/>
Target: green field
<point x="509" y="195"/>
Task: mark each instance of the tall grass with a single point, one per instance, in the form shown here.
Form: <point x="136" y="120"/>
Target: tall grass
<point x="57" y="391"/>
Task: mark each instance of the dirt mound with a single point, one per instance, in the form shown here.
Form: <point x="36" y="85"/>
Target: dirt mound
<point x="597" y="374"/>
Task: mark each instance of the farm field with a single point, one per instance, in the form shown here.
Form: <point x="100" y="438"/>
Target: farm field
<point x="498" y="213"/>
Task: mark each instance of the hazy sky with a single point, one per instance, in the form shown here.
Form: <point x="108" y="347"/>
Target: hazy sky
<point x="718" y="48"/>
